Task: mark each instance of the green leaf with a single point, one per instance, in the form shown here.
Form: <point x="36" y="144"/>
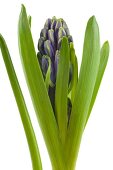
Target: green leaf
<point x="75" y="71"/>
<point x="62" y="89"/>
<point x="103" y="62"/>
<point x="84" y="91"/>
<point x="31" y="139"/>
<point x="29" y="20"/>
<point x="39" y="93"/>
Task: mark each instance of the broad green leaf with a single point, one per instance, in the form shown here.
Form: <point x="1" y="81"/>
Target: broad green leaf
<point x="75" y="71"/>
<point x="31" y="139"/>
<point x="84" y="91"/>
<point x="62" y="89"/>
<point x="104" y="54"/>
<point x="39" y="92"/>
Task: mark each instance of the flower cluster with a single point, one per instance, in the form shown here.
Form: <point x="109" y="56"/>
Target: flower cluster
<point x="49" y="44"/>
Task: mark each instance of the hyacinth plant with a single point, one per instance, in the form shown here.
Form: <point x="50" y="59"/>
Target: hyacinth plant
<point x="62" y="100"/>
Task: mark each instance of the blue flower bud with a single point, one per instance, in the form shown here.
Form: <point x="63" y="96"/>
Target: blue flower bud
<point x="53" y="24"/>
<point x="51" y="37"/>
<point x="41" y="45"/>
<point x="48" y="23"/>
<point x="67" y="31"/>
<point x="52" y="75"/>
<point x="45" y="65"/>
<point x="64" y="25"/>
<point x="58" y="24"/>
<point x="49" y="49"/>
<point x="56" y="62"/>
<point x="50" y="42"/>
<point x="44" y="33"/>
<point x="49" y="46"/>
<point x="61" y="32"/>
<point x="59" y="43"/>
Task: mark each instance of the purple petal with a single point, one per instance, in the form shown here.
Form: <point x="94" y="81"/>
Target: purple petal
<point x="61" y="33"/>
<point x="49" y="49"/>
<point x="59" y="43"/>
<point x="58" y="25"/>
<point x="64" y="24"/>
<point x="48" y="23"/>
<point x="65" y="28"/>
<point x="41" y="45"/>
<point x="51" y="37"/>
<point x="44" y="32"/>
<point x="56" y="61"/>
<point x="52" y="75"/>
<point x="67" y="31"/>
<point x="53" y="24"/>
<point x="45" y="65"/>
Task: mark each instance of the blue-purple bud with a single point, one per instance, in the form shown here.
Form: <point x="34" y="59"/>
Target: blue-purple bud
<point x="50" y="42"/>
<point x="48" y="23"/>
<point x="45" y="65"/>
<point x="59" y="43"/>
<point x="56" y="61"/>
<point x="53" y="24"/>
<point x="51" y="37"/>
<point x="44" y="33"/>
<point x="41" y="45"/>
<point x="61" y="33"/>
<point x="58" y="24"/>
<point x="48" y="48"/>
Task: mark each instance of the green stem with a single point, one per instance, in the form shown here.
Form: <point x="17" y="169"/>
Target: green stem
<point x="30" y="135"/>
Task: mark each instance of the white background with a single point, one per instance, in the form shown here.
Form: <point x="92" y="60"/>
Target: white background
<point x="96" y="152"/>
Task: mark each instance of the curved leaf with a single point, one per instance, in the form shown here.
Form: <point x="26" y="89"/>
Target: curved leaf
<point x="31" y="139"/>
<point x="85" y="86"/>
<point x="75" y="72"/>
<point x="104" y="54"/>
<point x="61" y="93"/>
<point x="39" y="93"/>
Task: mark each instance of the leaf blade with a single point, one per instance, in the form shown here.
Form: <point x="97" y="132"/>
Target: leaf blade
<point x="85" y="86"/>
<point x="62" y="88"/>
<point x="30" y="135"/>
<point x="38" y="92"/>
<point x="75" y="72"/>
<point x="103" y="62"/>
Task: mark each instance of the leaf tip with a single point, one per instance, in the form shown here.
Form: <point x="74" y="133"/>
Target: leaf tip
<point x="92" y="20"/>
<point x="65" y="39"/>
<point x="107" y="44"/>
<point x="22" y="7"/>
<point x="106" y="48"/>
<point x="23" y="10"/>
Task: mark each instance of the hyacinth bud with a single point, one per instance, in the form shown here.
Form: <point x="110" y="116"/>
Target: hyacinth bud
<point x="50" y="42"/>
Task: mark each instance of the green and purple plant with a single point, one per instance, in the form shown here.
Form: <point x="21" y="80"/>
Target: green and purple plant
<point x="62" y="99"/>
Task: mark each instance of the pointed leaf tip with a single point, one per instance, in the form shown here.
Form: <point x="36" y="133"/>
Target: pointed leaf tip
<point x="106" y="44"/>
<point x="23" y="7"/>
<point x="23" y="10"/>
<point x="104" y="54"/>
<point x="64" y="39"/>
<point x="92" y="20"/>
